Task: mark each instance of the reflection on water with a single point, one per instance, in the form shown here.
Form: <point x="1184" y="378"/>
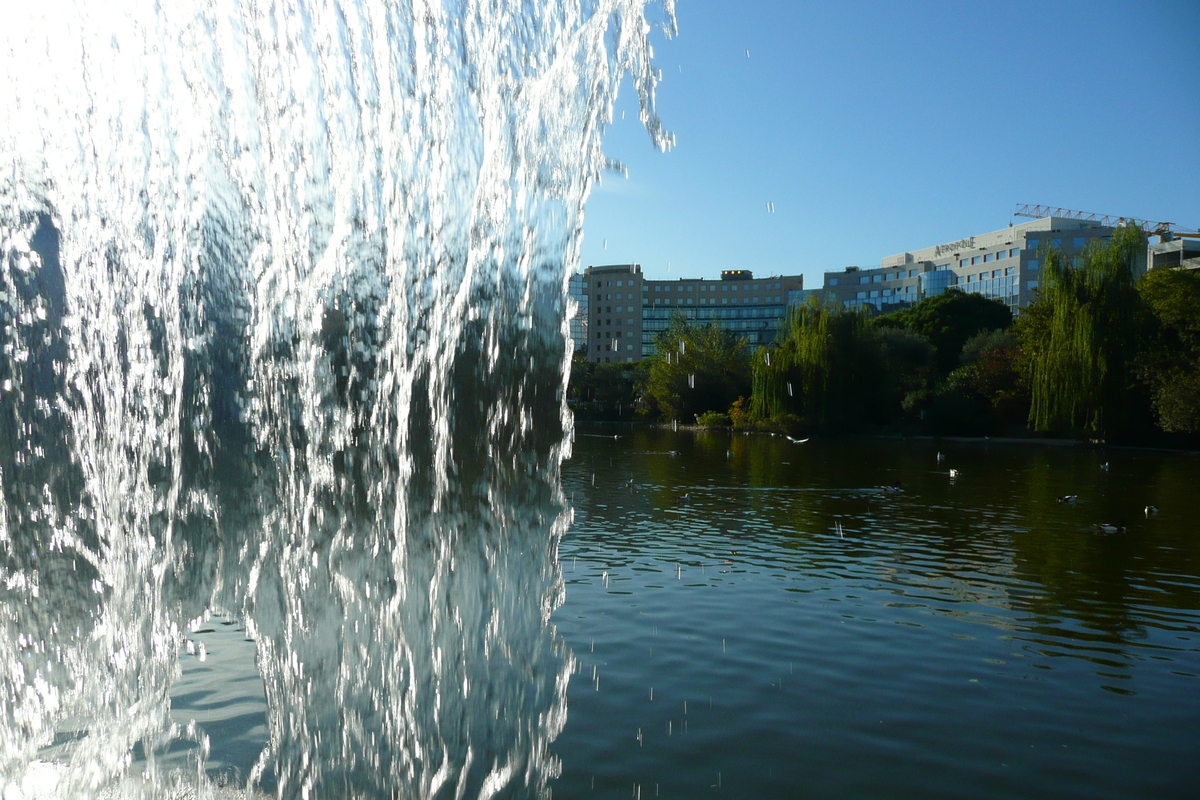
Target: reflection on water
<point x="967" y="635"/>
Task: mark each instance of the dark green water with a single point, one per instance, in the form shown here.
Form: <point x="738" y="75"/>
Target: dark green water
<point x="962" y="638"/>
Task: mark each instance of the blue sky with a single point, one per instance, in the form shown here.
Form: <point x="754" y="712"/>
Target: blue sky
<point x="881" y="127"/>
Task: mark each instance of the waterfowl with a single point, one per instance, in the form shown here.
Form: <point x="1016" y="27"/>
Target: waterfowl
<point x="1106" y="528"/>
<point x="794" y="440"/>
<point x="1104" y="466"/>
<point x="1067" y="498"/>
<point x="954" y="473"/>
<point x="890" y="489"/>
<point x="686" y="500"/>
<point x="1151" y="510"/>
<point x="940" y="458"/>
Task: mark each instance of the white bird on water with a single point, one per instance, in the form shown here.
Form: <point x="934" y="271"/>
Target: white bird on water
<point x="954" y="473"/>
<point x="794" y="440"/>
<point x="1151" y="511"/>
<point x="1106" y="528"/>
<point x="1067" y="498"/>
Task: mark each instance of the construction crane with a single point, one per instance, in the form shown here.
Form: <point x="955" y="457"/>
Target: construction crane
<point x="1150" y="228"/>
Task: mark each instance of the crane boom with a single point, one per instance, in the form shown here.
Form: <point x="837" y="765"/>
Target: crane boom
<point x="1107" y="220"/>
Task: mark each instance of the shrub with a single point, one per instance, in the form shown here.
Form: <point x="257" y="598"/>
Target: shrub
<point x="714" y="419"/>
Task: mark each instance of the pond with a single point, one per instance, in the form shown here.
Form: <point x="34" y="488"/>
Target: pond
<point x="757" y="618"/>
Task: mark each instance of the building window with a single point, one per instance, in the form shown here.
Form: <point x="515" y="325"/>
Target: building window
<point x="974" y="260"/>
<point x="995" y="273"/>
<point x="887" y="292"/>
<point x="1032" y="265"/>
<point x="645" y="288"/>
<point x="970" y="279"/>
<point x="876" y="279"/>
<point x="1056" y="243"/>
<point x="1078" y="242"/>
<point x="962" y="262"/>
<point x="1031" y="285"/>
<point x="1032" y="244"/>
<point x="864" y="279"/>
<point x="912" y="273"/>
<point x="1013" y="253"/>
<point x="910" y="289"/>
<point x="1010" y="270"/>
<point x="618" y="283"/>
<point x="987" y="257"/>
<point x="875" y="293"/>
<point x="833" y="281"/>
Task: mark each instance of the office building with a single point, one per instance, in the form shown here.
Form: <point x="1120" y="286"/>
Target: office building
<point x="578" y="316"/>
<point x="1005" y="265"/>
<point x="626" y="311"/>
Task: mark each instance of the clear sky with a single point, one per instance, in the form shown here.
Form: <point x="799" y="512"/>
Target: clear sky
<point x="877" y="128"/>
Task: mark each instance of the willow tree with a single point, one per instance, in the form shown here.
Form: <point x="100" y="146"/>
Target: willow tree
<point x="819" y="368"/>
<point x="1081" y="355"/>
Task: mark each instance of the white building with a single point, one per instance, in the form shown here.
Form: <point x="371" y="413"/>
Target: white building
<point x="1005" y="265"/>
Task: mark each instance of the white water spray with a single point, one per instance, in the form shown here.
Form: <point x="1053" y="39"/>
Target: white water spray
<point x="282" y="307"/>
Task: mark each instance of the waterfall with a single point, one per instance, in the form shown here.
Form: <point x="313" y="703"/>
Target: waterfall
<point x="284" y="329"/>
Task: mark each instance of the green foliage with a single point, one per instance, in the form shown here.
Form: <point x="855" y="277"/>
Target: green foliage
<point x="1171" y="366"/>
<point x="984" y="391"/>
<point x="907" y="360"/>
<point x="947" y="321"/>
<point x="603" y="390"/>
<point x="821" y="371"/>
<point x="714" y="419"/>
<point x="1085" y="338"/>
<point x="696" y="369"/>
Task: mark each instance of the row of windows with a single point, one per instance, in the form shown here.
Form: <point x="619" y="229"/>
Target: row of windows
<point x="888" y="292"/>
<point x="987" y="258"/>
<point x="759" y="312"/>
<point x="882" y="277"/>
<point x="600" y="284"/>
<point x="711" y="287"/>
<point x="992" y="287"/>
<point x="704" y="287"/>
<point x="666" y="301"/>
<point x="996" y="273"/>
<point x="1077" y="242"/>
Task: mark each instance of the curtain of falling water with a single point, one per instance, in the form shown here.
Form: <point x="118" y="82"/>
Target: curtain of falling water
<point x="282" y="307"/>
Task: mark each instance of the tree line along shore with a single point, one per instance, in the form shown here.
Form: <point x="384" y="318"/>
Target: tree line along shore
<point x="1103" y="353"/>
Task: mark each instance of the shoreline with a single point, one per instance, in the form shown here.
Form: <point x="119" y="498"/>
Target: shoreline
<point x="1021" y="441"/>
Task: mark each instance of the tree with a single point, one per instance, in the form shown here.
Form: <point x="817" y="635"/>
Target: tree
<point x="824" y="370"/>
<point x="1171" y="366"/>
<point x="696" y="369"/>
<point x="948" y="320"/>
<point x="1081" y="354"/>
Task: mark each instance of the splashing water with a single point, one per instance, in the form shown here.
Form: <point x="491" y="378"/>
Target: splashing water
<point x="283" y="315"/>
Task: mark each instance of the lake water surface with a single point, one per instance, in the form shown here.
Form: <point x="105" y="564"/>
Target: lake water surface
<point x="966" y="637"/>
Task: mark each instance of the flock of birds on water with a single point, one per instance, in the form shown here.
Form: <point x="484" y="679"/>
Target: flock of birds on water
<point x="895" y="488"/>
